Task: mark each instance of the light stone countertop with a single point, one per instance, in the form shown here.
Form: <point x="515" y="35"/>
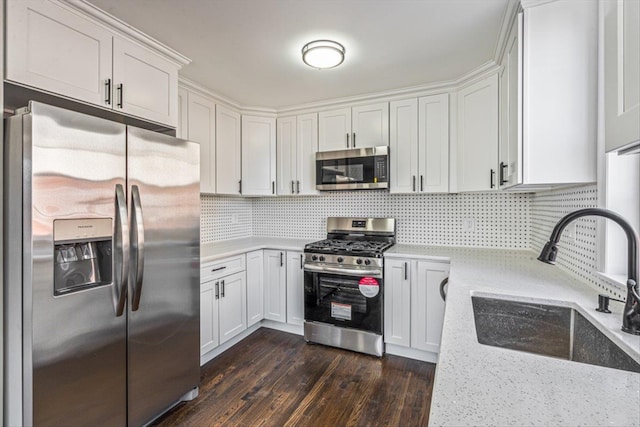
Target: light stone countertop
<point x="482" y="385"/>
<point x="214" y="251"/>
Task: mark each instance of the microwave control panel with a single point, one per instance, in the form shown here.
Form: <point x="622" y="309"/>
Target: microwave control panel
<point x="381" y="168"/>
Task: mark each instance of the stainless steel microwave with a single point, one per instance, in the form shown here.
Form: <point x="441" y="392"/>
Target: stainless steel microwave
<point x="353" y="169"/>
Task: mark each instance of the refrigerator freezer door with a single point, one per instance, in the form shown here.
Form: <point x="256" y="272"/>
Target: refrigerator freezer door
<point x="164" y="305"/>
<point x="74" y="362"/>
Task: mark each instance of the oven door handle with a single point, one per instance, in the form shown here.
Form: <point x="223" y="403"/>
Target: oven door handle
<point x="376" y="273"/>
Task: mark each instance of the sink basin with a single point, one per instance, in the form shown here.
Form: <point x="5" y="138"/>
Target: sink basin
<point x="548" y="330"/>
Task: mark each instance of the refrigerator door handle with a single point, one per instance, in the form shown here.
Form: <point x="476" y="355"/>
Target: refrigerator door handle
<point x="121" y="246"/>
<point x="137" y="246"/>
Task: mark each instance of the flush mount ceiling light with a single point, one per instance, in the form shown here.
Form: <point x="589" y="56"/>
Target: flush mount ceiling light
<point x="323" y="54"/>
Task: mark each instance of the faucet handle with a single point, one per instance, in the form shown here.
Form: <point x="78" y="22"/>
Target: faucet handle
<point x="603" y="303"/>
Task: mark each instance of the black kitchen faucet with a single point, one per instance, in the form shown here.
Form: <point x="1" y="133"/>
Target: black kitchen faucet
<point x="631" y="313"/>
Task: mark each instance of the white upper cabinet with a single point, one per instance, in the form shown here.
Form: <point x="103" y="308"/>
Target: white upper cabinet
<point x="228" y="151"/>
<point x="477" y="141"/>
<point x="146" y="85"/>
<point x="549" y="129"/>
<point x="258" y="156"/>
<point x="334" y="129"/>
<point x="201" y="128"/>
<point x="357" y="127"/>
<point x="419" y="141"/>
<point x="622" y="74"/>
<point x="51" y="48"/>
<point x="370" y="125"/>
<point x="58" y="48"/>
<point x="296" y="145"/>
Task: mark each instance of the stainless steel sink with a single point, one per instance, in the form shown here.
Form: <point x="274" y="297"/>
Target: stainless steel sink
<point x="547" y="330"/>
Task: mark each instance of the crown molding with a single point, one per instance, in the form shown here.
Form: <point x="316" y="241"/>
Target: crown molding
<point x="508" y="21"/>
<point x="122" y="28"/>
<point x="533" y="3"/>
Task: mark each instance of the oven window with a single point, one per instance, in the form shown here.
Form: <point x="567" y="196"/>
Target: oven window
<point x="337" y="300"/>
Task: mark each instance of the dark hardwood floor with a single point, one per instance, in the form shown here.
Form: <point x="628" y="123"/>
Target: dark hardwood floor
<point x="274" y="378"/>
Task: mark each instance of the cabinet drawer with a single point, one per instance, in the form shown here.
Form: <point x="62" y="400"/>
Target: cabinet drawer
<point x="221" y="268"/>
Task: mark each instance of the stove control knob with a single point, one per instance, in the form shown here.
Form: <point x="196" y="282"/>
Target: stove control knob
<point x="314" y="258"/>
<point x="321" y="258"/>
<point x="359" y="261"/>
<point x="367" y="261"/>
<point x="340" y="259"/>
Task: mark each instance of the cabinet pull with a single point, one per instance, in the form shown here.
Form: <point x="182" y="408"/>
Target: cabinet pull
<point x="414" y="183"/>
<point x="240" y="186"/>
<point x="120" y="90"/>
<point x="273" y="187"/>
<point x="292" y="190"/>
<point x="406" y="273"/>
<point x="281" y="259"/>
<point x="217" y="290"/>
<point x="107" y="92"/>
<point x="298" y="187"/>
<point x="354" y="140"/>
<point x="219" y="268"/>
<point x="421" y="182"/>
<point x="491" y="176"/>
<point x="222" y="290"/>
<point x="443" y="293"/>
<point x="347" y="140"/>
<point x="300" y="261"/>
<point x="502" y="180"/>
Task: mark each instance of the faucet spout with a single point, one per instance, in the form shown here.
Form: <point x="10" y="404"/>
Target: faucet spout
<point x="631" y="313"/>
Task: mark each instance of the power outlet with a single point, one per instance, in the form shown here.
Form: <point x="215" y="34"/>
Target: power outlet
<point x="468" y="224"/>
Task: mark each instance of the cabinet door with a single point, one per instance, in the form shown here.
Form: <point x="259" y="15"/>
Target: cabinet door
<point x="509" y="172"/>
<point x="295" y="288"/>
<point x="182" y="130"/>
<point x="622" y="73"/>
<point x="228" y="151"/>
<point x="275" y="293"/>
<point x="202" y="129"/>
<point x="397" y="302"/>
<point x="52" y="48"/>
<point x="286" y="140"/>
<point x="427" y="306"/>
<point x="258" y="156"/>
<point x="334" y="129"/>
<point x="233" y="306"/>
<point x="146" y="85"/>
<point x="255" y="288"/>
<point x="307" y="145"/>
<point x="370" y="125"/>
<point x="404" y="146"/>
<point x="209" y="338"/>
<point x="477" y="144"/>
<point x="433" y="143"/>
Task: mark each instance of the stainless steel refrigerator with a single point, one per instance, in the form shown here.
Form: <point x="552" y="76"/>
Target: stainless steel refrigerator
<point x="102" y="263"/>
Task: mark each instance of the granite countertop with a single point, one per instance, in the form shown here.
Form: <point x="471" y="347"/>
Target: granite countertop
<point x="481" y="385"/>
<point x="477" y="384"/>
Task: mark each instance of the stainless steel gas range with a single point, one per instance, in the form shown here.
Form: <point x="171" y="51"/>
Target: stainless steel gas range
<point x="344" y="284"/>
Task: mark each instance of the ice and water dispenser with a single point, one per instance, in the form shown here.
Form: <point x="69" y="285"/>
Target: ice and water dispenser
<point x="82" y="254"/>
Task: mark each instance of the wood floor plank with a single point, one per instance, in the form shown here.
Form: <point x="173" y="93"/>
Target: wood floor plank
<point x="273" y="379"/>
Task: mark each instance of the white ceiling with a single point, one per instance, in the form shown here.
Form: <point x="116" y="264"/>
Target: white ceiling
<point x="249" y="50"/>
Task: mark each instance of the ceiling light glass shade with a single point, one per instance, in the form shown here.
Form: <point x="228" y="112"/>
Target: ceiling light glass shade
<point x="323" y="54"/>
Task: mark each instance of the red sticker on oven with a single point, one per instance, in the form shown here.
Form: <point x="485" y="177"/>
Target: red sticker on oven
<point x="369" y="287"/>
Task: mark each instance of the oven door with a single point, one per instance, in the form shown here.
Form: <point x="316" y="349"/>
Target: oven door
<point x="351" y="300"/>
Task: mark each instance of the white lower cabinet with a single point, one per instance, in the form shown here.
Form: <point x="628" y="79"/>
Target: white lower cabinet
<point x="284" y="287"/>
<point x="255" y="287"/>
<point x="275" y="283"/>
<point x="295" y="288"/>
<point x="413" y="307"/>
<point x="223" y="302"/>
